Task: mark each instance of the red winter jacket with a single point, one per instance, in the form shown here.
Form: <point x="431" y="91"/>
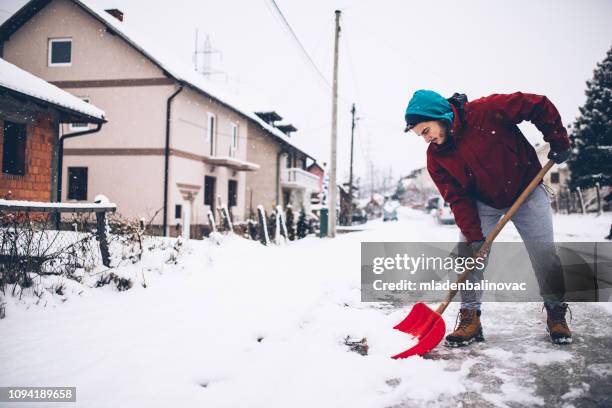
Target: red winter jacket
<point x="487" y="158"/>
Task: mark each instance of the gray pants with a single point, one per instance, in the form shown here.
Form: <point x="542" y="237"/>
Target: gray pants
<point x="533" y="220"/>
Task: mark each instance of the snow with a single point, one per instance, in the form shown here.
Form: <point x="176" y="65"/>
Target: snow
<point x="181" y="72"/>
<point x="232" y="161"/>
<point x="548" y="357"/>
<point x="231" y="322"/>
<point x="16" y="79"/>
<point x="66" y="205"/>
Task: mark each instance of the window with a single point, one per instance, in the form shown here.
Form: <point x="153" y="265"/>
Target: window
<point x="554" y="178"/>
<point x="212" y="131"/>
<point x="60" y="52"/>
<point x="234" y="145"/>
<point x="80" y="125"/>
<point x="209" y="190"/>
<point x="14" y="149"/>
<point x="77" y="183"/>
<point x="178" y="211"/>
<point x="232" y="193"/>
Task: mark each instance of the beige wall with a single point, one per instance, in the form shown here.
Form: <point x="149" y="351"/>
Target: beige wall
<point x="190" y="125"/>
<point x="134" y="184"/>
<point x="188" y="171"/>
<point x="96" y="54"/>
<point x="263" y="150"/>
<point x="136" y="117"/>
<point x="189" y="130"/>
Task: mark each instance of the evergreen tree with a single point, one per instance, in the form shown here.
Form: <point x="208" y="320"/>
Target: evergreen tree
<point x="252" y="229"/>
<point x="591" y="133"/>
<point x="302" y="226"/>
<point x="290" y="221"/>
<point x="272" y="225"/>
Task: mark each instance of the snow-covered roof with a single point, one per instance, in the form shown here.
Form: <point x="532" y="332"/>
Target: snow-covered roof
<point x="18" y="80"/>
<point x="182" y="73"/>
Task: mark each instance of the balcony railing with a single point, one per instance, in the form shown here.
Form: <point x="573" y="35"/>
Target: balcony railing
<point x="298" y="178"/>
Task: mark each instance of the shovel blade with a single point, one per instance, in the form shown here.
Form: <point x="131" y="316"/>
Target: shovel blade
<point x="424" y="324"/>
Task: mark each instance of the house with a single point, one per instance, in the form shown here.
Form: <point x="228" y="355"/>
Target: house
<point x="318" y="171"/>
<point x="31" y="111"/>
<point x="416" y="188"/>
<point x="174" y="144"/>
<point x="558" y="176"/>
<point x="283" y="177"/>
<point x="563" y="199"/>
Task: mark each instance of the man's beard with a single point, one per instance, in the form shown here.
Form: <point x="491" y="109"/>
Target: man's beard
<point x="444" y="132"/>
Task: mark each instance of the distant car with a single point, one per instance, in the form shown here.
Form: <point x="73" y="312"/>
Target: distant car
<point x="390" y="210"/>
<point x="432" y="204"/>
<point x="360" y="216"/>
<point x="443" y="213"/>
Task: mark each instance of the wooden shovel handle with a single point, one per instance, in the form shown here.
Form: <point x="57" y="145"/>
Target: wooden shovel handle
<point x="497" y="229"/>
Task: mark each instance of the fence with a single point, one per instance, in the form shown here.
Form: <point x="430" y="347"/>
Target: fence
<point x="592" y="200"/>
<point x="39" y="238"/>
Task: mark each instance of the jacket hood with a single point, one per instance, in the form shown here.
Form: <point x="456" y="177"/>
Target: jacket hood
<point x="457" y="103"/>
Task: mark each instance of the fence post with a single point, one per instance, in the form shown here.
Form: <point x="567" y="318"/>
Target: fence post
<point x="581" y="200"/>
<point x="263" y="228"/>
<point x="211" y="221"/>
<point x="597" y="188"/>
<point x="101" y="232"/>
<point x="281" y="221"/>
<point x="186" y="233"/>
<point x="227" y="221"/>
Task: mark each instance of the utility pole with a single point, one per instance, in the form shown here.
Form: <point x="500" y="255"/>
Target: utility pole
<point x="371" y="179"/>
<point x="333" y="185"/>
<point x="350" y="209"/>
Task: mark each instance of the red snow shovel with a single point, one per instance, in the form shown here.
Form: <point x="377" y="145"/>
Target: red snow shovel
<point x="428" y="325"/>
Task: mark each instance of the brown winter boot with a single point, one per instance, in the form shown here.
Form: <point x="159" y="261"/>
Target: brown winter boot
<point x="556" y="324"/>
<point x="467" y="331"/>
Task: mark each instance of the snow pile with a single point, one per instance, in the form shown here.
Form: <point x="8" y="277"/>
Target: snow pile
<point x="229" y="322"/>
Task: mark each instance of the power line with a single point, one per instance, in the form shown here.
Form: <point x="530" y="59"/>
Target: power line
<point x="299" y="43"/>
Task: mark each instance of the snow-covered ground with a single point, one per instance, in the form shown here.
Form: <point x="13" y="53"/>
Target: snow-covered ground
<point x="234" y="323"/>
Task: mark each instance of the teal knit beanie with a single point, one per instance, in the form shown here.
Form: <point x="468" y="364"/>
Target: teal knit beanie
<point x="427" y="105"/>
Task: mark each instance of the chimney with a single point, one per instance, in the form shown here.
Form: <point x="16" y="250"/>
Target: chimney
<point x="118" y="14"/>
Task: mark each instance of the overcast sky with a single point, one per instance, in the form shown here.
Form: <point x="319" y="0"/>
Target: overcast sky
<point x="388" y="49"/>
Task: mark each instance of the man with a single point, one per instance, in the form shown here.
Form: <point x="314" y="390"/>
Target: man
<point x="481" y="162"/>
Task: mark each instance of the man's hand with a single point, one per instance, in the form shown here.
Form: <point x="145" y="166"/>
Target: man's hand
<point x="559" y="157"/>
<point x="477" y="249"/>
<point x="472" y="249"/>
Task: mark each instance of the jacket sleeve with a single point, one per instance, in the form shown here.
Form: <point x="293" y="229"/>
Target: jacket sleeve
<point x="463" y="206"/>
<point x="538" y="109"/>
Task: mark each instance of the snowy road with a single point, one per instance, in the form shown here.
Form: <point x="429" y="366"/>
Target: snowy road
<point x="237" y="324"/>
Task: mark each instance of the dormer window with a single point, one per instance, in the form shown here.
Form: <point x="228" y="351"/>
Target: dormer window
<point x="60" y="52"/>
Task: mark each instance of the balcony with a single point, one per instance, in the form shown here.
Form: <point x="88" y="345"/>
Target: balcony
<point x="298" y="178"/>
